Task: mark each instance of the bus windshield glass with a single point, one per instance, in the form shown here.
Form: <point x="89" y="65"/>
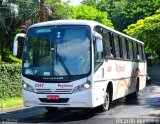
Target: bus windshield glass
<point x="57" y="51"/>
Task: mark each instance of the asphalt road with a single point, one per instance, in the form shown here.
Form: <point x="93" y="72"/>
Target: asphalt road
<point x="146" y="110"/>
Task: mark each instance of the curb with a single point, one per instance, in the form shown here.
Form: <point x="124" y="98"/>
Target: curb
<point x="10" y="109"/>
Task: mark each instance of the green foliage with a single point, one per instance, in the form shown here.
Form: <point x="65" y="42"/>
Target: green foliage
<point x="52" y="1"/>
<point x="13" y="59"/>
<point x="147" y="30"/>
<point x="6" y="12"/>
<point x="17" y="14"/>
<point x="8" y="24"/>
<point x="158" y="11"/>
<point x="26" y="9"/>
<point x="11" y="102"/>
<point x="10" y="58"/>
<point x="139" y="9"/>
<point x="101" y="5"/>
<point x="59" y="11"/>
<point x="125" y="12"/>
<point x="90" y="13"/>
<point x="10" y="80"/>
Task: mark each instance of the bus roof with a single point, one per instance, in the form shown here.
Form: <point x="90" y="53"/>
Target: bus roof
<point x="90" y="23"/>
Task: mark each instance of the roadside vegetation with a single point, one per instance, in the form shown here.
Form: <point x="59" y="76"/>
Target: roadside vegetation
<point x="137" y="18"/>
<point x="11" y="102"/>
<point x="10" y="84"/>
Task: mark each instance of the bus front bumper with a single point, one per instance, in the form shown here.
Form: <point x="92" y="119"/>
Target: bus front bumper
<point x="79" y="99"/>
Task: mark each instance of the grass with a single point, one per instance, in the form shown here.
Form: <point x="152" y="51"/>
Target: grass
<point x="10" y="102"/>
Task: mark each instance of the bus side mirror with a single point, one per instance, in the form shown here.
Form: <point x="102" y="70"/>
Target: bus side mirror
<point x="99" y="44"/>
<point x="15" y="48"/>
<point x="138" y="58"/>
<point x="15" y="44"/>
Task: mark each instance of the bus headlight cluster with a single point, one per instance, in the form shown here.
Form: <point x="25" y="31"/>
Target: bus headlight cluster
<point x="27" y="87"/>
<point x="82" y="87"/>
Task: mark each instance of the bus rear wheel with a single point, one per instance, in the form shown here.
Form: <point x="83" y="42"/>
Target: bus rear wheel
<point x="133" y="96"/>
<point x="51" y="109"/>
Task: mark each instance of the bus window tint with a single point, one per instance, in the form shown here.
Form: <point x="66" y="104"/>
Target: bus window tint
<point x="112" y="44"/>
<point x="140" y="51"/>
<point x="124" y="48"/>
<point x="127" y="48"/>
<point x="120" y="46"/>
<point x="107" y="44"/>
<point x="143" y="53"/>
<point x="116" y="44"/>
<point x="130" y="50"/>
<point x="135" y="51"/>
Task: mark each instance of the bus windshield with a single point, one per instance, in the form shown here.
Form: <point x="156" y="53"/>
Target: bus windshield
<point x="57" y="51"/>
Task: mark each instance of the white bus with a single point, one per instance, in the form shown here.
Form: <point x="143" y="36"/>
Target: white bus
<point x="80" y="63"/>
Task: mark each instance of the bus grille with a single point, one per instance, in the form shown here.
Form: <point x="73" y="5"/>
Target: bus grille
<point x="54" y="91"/>
<point x="61" y="100"/>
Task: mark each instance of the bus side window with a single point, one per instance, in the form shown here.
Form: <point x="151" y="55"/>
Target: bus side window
<point x="124" y="48"/>
<point x="120" y="47"/>
<point x="135" y="51"/>
<point x="127" y="48"/>
<point x="116" y="44"/>
<point x="130" y="49"/>
<point x="143" y="53"/>
<point x="112" y="48"/>
<point x="107" y="44"/>
<point x="140" y="52"/>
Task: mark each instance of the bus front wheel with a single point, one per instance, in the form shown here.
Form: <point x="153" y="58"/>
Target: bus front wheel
<point x="106" y="104"/>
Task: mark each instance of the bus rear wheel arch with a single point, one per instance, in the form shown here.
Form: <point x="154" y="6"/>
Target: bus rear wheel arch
<point x="134" y="95"/>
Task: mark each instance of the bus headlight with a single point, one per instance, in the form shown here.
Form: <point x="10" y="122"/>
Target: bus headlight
<point x="82" y="87"/>
<point x="27" y="87"/>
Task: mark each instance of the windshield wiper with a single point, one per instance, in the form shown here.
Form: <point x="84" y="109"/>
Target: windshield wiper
<point x="63" y="64"/>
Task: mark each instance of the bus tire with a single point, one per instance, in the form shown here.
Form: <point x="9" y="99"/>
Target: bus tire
<point x="133" y="95"/>
<point x="105" y="106"/>
<point x="51" y="109"/>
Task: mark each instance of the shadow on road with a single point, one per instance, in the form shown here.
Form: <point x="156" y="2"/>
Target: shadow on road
<point x="61" y="115"/>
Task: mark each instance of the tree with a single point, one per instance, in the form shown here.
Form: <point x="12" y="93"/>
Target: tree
<point x="115" y="9"/>
<point x="20" y="14"/>
<point x="148" y="31"/>
<point x="90" y="13"/>
<point x="8" y="22"/>
<point x="139" y="9"/>
<point x="125" y="12"/>
<point x="13" y="13"/>
<point x="60" y="10"/>
<point x="101" y="5"/>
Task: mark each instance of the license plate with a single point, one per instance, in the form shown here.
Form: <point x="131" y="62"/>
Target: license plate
<point x="53" y="97"/>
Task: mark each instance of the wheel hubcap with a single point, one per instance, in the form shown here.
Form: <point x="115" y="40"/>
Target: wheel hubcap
<point x="106" y="101"/>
